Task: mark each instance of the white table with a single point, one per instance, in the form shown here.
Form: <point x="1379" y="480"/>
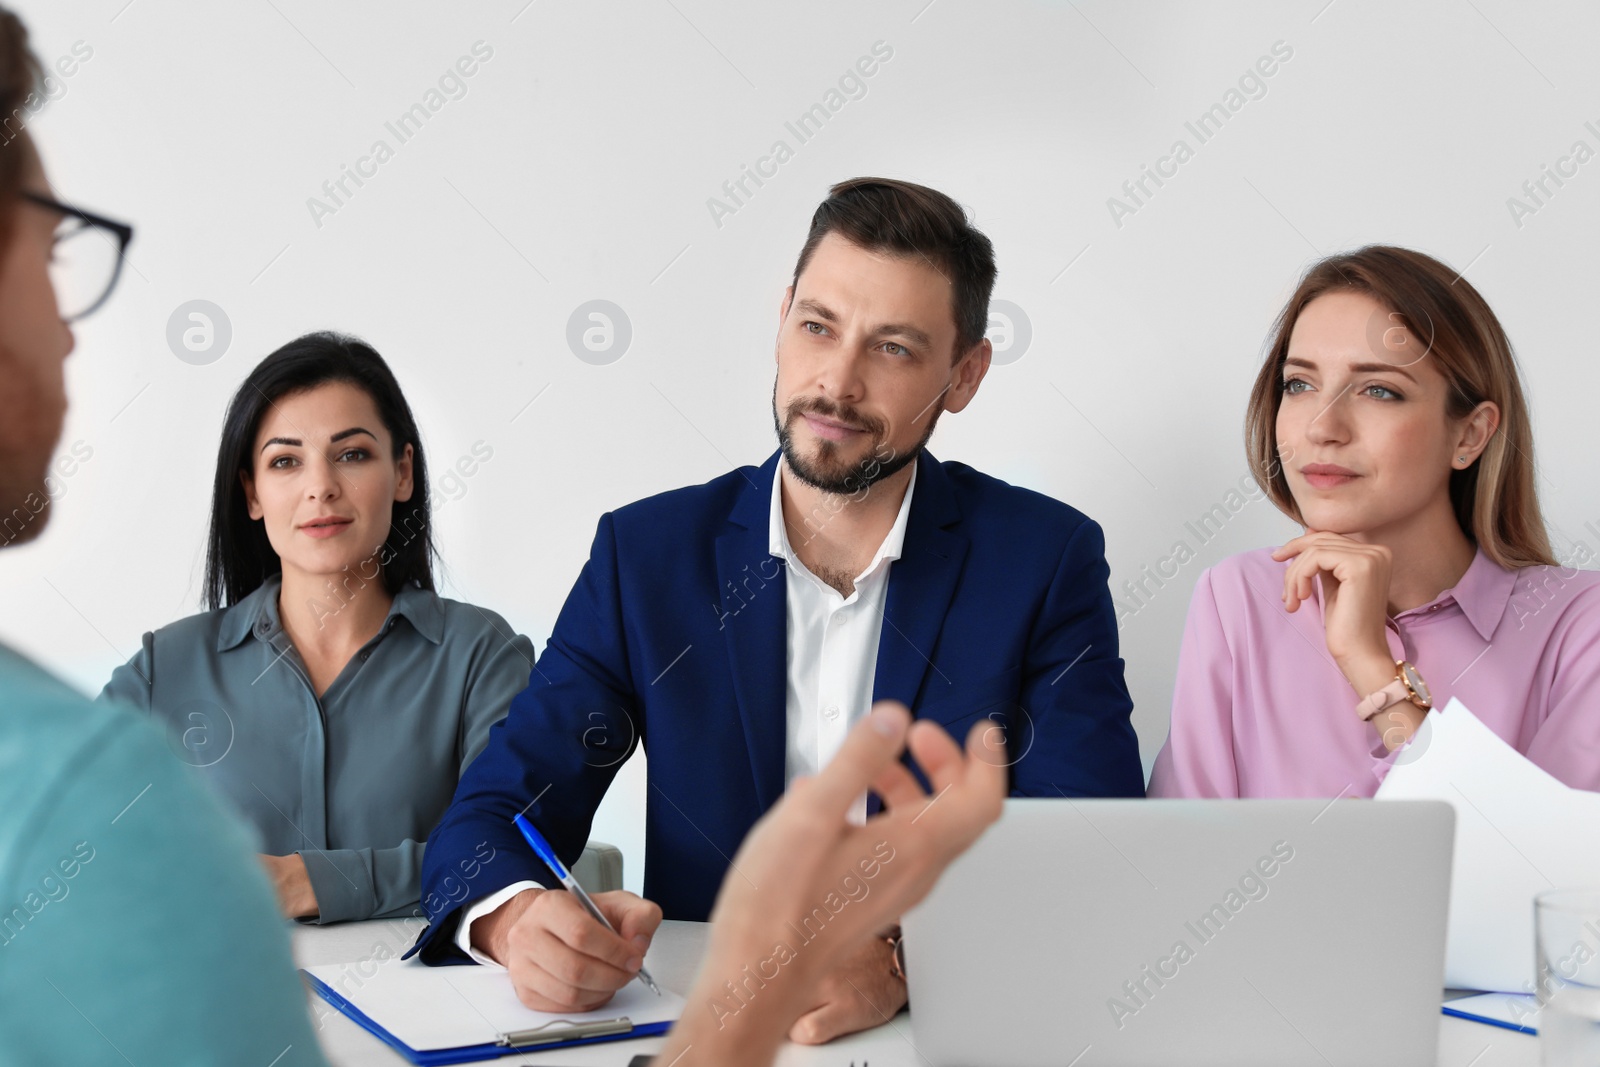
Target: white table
<point x="673" y="959"/>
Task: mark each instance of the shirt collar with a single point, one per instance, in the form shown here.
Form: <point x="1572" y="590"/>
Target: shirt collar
<point x="778" y="535"/>
<point x="258" y="613"/>
<point x="1482" y="595"/>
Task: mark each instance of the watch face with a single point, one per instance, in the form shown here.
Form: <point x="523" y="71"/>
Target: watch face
<point x="1418" y="686"/>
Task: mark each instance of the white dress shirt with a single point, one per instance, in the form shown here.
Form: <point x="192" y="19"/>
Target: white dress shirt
<point x="833" y="645"/>
<point x="832" y="663"/>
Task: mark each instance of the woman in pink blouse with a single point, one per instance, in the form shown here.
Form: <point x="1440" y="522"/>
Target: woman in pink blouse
<point x="1389" y="421"/>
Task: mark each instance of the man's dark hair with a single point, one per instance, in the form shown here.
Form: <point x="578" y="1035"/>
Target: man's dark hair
<point x="884" y="215"/>
<point x="20" y="75"/>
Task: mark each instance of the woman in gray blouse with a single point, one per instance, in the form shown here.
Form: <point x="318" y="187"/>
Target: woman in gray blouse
<point x="329" y="694"/>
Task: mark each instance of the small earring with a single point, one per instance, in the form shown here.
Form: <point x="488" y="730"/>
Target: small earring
<point x="1461" y="460"/>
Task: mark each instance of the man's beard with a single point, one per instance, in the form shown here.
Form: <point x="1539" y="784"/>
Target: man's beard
<point x="828" y="470"/>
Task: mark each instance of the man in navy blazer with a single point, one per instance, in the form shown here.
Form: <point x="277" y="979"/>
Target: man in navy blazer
<point x="738" y="628"/>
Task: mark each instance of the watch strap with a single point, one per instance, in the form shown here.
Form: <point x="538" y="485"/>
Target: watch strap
<point x="1387" y="697"/>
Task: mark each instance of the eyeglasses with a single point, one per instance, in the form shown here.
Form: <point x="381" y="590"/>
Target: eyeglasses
<point x="86" y="259"/>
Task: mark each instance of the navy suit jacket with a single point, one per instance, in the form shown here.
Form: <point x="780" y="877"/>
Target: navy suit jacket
<point x="675" y="637"/>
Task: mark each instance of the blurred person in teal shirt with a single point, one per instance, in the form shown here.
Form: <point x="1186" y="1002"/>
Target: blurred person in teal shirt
<point x="134" y="924"/>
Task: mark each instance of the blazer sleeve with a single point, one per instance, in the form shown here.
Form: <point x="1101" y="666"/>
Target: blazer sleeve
<point x="1197" y="759"/>
<point x="1077" y="737"/>
<point x="553" y="756"/>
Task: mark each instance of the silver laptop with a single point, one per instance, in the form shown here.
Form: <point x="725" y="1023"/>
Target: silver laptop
<point x="1097" y="933"/>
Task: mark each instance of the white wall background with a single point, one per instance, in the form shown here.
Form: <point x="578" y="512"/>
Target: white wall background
<point x="579" y="163"/>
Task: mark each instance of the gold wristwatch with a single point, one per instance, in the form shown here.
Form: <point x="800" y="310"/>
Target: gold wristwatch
<point x="1407" y="685"/>
<point x="897" y="967"/>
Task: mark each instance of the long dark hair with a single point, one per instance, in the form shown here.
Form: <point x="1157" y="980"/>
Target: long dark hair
<point x="238" y="555"/>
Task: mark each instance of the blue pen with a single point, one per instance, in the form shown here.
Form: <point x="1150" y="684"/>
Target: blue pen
<point x="542" y="848"/>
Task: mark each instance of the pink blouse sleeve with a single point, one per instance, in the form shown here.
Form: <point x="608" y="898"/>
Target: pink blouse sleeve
<point x="1567" y="742"/>
<point x="1197" y="760"/>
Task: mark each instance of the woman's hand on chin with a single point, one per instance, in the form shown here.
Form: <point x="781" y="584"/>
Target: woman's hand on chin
<point x="1355" y="601"/>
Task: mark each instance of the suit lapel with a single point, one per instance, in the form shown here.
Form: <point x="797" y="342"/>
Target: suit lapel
<point x="755" y="621"/>
<point x="921" y="584"/>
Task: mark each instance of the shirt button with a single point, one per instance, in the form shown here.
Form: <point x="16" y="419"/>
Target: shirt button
<point x="832" y="711"/>
<point x="365" y="654"/>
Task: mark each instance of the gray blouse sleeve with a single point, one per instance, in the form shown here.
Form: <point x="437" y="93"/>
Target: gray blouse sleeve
<point x="364" y="883"/>
<point x="490" y="690"/>
<point x="130" y="683"/>
<point x="369" y="882"/>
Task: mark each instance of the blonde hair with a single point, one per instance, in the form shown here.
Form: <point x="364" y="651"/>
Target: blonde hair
<point x="1495" y="499"/>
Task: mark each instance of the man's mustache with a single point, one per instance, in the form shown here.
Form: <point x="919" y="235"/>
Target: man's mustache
<point x="834" y="412"/>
